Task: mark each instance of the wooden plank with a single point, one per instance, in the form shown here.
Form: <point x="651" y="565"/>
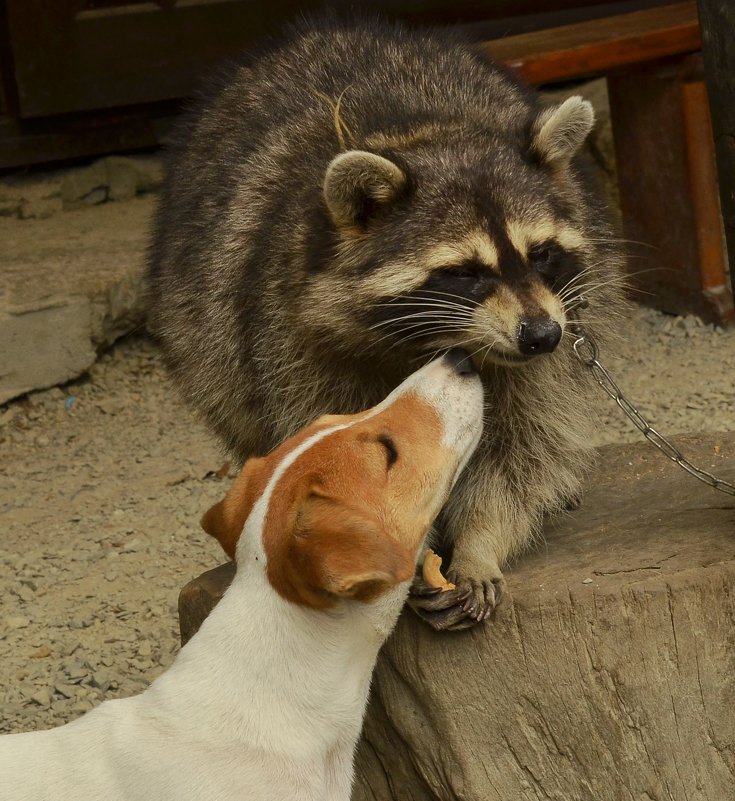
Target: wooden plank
<point x="78" y="136"/>
<point x="139" y="54"/>
<point x="598" y="46"/>
<point x="718" y="35"/>
<point x="703" y="189"/>
<point x="71" y="56"/>
<point x="656" y="200"/>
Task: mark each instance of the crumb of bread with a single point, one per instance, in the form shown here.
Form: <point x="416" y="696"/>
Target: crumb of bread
<point x="432" y="572"/>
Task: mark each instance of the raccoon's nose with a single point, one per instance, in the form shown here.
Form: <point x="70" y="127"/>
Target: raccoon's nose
<point x="460" y="361"/>
<point x="540" y="335"/>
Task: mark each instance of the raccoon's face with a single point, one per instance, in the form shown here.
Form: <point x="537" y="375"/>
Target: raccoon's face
<point x="457" y="251"/>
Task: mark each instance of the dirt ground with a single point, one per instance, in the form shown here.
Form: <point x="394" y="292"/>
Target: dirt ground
<point x="103" y="482"/>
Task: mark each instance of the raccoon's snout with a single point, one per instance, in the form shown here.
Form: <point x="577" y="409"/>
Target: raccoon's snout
<point x="539" y="335"/>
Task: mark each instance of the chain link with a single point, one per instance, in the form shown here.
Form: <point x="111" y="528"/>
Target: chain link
<point x="586" y="350"/>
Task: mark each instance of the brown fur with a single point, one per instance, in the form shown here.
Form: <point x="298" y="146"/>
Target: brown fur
<point x="340" y="524"/>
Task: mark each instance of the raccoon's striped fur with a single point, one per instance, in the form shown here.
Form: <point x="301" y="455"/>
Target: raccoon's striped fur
<point x="357" y="198"/>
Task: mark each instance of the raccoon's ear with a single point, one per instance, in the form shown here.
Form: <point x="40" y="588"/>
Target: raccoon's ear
<point x="357" y="183"/>
<point x="559" y="131"/>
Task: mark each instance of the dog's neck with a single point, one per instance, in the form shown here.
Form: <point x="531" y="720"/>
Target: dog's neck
<point x="272" y="674"/>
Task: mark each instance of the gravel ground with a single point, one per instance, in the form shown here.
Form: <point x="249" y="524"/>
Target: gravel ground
<point x="103" y="483"/>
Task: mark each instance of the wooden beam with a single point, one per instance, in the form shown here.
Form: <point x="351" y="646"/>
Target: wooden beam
<point x="718" y="37"/>
<point x="74" y="136"/>
<point x="597" y="46"/>
<point x="663" y="208"/>
<point x="703" y="192"/>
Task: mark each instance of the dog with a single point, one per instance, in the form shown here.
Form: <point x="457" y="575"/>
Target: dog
<point x="266" y="701"/>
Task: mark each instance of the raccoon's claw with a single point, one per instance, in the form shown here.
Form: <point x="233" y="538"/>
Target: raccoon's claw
<point x="470" y="603"/>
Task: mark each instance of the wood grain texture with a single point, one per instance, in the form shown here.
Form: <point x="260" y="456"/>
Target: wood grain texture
<point x="597" y="46"/>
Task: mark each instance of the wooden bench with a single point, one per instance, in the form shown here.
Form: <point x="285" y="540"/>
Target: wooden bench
<point x="666" y="169"/>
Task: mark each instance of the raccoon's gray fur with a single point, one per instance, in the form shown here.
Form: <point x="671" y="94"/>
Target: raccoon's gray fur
<point x="357" y="198"/>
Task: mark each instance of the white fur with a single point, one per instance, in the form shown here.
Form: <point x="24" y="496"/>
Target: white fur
<point x="265" y="702"/>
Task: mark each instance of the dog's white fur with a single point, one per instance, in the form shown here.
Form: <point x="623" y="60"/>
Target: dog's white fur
<point x="265" y="702"/>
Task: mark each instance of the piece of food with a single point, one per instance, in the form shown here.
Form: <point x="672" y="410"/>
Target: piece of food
<point x="432" y="572"/>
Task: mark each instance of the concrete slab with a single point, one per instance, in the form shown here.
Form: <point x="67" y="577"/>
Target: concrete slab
<point x="70" y="285"/>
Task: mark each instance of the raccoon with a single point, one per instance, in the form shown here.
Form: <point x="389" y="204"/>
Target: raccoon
<point x="357" y="198"/>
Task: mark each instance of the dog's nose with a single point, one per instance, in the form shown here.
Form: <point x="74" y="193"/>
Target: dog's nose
<point x="539" y="335"/>
<point x="460" y="361"/>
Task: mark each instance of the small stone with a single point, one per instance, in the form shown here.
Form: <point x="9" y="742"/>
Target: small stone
<point x="587" y="581"/>
<point x="16" y="622"/>
<point x="25" y="593"/>
<point x="76" y="670"/>
<point x="101" y="680"/>
<point x="42" y="697"/>
<point x="72" y="647"/>
<point x="41" y="653"/>
<point x="144" y="649"/>
<point x="67" y="690"/>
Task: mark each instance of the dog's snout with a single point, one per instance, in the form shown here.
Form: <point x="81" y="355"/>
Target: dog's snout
<point x="539" y="335"/>
<point x="460" y="361"/>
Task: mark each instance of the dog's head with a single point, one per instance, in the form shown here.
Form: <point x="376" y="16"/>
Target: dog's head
<point x="341" y="510"/>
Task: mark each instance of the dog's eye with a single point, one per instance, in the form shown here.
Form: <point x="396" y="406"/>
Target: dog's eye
<point x="390" y="449"/>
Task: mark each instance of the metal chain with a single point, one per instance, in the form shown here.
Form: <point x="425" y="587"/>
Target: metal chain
<point x="586" y="350"/>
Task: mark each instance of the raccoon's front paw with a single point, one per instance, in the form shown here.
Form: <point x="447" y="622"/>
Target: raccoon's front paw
<point x="471" y="602"/>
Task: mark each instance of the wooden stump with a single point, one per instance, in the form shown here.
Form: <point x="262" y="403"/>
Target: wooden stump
<point x="609" y="674"/>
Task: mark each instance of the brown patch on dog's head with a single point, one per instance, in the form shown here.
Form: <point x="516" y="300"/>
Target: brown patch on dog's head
<point x="225" y="520"/>
<point x="347" y="518"/>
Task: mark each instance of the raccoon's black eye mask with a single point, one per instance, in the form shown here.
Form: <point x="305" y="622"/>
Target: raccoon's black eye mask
<point x="555" y="265"/>
<point x="470" y="280"/>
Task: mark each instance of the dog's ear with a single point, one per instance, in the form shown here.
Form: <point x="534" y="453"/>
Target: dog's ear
<point x="225" y="520"/>
<point x="340" y="550"/>
<point x="357" y="184"/>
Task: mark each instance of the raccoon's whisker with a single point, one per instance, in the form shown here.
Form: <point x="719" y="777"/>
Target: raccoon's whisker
<point x="570" y="284"/>
<point x="614" y="241"/>
<point x="592" y="286"/>
<point x="443" y="327"/>
<point x="421" y="322"/>
<point x="589" y="286"/>
<point x="488" y="348"/>
<point x="459" y="344"/>
<point x="464" y="300"/>
<point x="417" y="300"/>
<point x="435" y="315"/>
<point x="429" y="331"/>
